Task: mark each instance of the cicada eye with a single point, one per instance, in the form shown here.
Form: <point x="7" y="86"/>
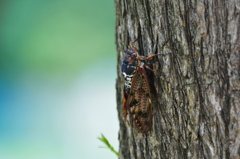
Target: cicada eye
<point x="134" y="54"/>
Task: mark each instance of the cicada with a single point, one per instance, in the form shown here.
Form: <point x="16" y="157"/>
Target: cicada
<point x="137" y="93"/>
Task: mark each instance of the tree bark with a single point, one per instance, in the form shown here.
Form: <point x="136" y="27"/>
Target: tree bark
<point x="196" y="107"/>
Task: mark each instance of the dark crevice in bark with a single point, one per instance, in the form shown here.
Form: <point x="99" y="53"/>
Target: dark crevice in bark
<point x="147" y="147"/>
<point x="134" y="146"/>
<point x="141" y="148"/>
<point x="140" y="44"/>
<point x="149" y="20"/>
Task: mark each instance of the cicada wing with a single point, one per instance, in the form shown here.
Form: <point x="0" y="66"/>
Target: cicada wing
<point x="139" y="102"/>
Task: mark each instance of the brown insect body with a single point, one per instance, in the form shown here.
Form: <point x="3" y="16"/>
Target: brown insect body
<point x="139" y="102"/>
<point x="137" y="93"/>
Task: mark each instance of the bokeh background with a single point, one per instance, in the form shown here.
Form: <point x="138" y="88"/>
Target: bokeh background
<point x="57" y="79"/>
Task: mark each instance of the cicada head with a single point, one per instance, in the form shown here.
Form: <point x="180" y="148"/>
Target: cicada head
<point x="131" y="55"/>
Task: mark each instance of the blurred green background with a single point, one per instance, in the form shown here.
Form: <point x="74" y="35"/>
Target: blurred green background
<point x="57" y="79"/>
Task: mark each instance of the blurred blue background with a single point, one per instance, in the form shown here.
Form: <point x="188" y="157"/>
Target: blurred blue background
<point x="57" y="79"/>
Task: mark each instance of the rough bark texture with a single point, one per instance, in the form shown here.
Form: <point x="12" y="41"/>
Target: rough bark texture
<point x="197" y="106"/>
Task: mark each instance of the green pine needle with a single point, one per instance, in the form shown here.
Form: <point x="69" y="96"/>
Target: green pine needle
<point x="104" y="140"/>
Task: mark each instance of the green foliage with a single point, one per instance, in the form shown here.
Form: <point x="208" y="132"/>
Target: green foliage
<point x="56" y="36"/>
<point x="104" y="140"/>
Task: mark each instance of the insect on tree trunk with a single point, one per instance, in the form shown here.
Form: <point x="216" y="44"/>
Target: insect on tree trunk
<point x="196" y="90"/>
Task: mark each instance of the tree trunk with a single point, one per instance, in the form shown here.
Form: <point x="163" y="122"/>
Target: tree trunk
<point x="196" y="107"/>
